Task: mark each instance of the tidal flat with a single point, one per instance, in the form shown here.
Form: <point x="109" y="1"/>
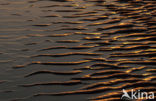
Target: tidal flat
<point x="76" y="50"/>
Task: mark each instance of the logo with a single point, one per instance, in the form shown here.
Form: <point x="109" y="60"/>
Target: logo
<point x="136" y="95"/>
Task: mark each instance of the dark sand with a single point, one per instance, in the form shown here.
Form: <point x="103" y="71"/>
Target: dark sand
<point x="75" y="50"/>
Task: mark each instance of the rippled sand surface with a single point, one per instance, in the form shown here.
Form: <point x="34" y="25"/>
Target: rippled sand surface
<point x="76" y="50"/>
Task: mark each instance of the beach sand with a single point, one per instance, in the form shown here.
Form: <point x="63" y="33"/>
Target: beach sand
<point x="76" y="50"/>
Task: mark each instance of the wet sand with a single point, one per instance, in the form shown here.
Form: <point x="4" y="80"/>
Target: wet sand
<point x="76" y="50"/>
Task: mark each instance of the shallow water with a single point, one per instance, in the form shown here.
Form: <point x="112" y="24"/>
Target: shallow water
<point x="56" y="50"/>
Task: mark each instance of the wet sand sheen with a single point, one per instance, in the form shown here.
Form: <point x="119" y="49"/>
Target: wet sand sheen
<point x="84" y="49"/>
